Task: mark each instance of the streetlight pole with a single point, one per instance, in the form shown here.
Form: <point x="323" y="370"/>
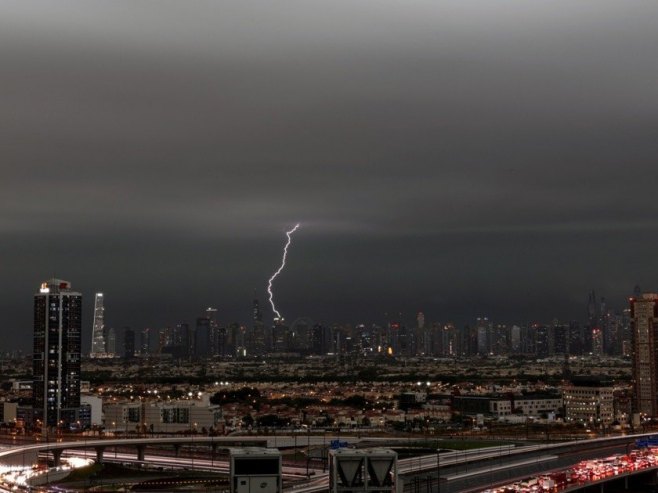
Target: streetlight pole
<point x="308" y="450"/>
<point x="438" y="470"/>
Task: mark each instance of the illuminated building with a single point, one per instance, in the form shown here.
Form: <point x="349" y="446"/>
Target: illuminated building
<point x="589" y="401"/>
<point x="110" y="341"/>
<point x="644" y="314"/>
<point x="259" y="340"/>
<point x="98" y="348"/>
<point x="145" y="342"/>
<point x="56" y="360"/>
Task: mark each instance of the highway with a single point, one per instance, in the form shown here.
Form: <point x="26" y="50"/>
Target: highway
<point x="475" y="470"/>
<point x="188" y="463"/>
<point x="460" y="470"/>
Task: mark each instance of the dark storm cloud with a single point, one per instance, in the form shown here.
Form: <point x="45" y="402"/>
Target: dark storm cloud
<point x="452" y="157"/>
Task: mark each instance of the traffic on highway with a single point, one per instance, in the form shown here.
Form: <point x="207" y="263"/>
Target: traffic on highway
<point x="585" y="472"/>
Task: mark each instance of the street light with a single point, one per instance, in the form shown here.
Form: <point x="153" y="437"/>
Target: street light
<point x="438" y="470"/>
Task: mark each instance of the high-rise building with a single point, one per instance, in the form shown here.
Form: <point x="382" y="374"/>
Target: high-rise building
<point x="56" y="360"/>
<point x="110" y="342"/>
<point x="145" y="342"/>
<point x="98" y="348"/>
<point x="259" y="340"/>
<point x="182" y="339"/>
<point x="204" y="344"/>
<point x="257" y="314"/>
<point x="644" y="322"/>
<point x="128" y="343"/>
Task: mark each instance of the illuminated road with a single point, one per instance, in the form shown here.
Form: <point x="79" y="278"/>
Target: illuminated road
<point x="186" y="463"/>
<point x="460" y="470"/>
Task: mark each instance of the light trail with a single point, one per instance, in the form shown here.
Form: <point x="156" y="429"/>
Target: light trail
<point x="278" y="271"/>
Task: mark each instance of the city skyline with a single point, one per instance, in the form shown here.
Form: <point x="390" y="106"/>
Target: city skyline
<point x="459" y="160"/>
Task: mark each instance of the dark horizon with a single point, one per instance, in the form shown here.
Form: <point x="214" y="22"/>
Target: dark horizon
<point x="458" y="159"/>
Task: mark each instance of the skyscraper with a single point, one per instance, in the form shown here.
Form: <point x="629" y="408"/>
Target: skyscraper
<point x="203" y="343"/>
<point x="644" y="320"/>
<point x="98" y="348"/>
<point x="145" y="342"/>
<point x="110" y="342"/>
<point x="128" y="343"/>
<point x="260" y="339"/>
<point x="56" y="360"/>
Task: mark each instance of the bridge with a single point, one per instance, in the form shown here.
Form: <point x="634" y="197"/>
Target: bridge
<point x="478" y="470"/>
<point x="458" y="471"/>
<point x="27" y="454"/>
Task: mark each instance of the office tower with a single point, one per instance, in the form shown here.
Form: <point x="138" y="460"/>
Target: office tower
<point x="542" y="341"/>
<point x="499" y="340"/>
<point x="238" y="347"/>
<point x="421" y="346"/>
<point x="320" y="339"/>
<point x="576" y="339"/>
<point x="280" y="336"/>
<point x="515" y="339"/>
<point x="128" y="343"/>
<point x="528" y="343"/>
<point x="165" y="339"/>
<point x="644" y="323"/>
<point x="213" y="331"/>
<point x="56" y="360"/>
<point x="256" y="313"/>
<point x="202" y="334"/>
<point x="98" y="348"/>
<point x="182" y="340"/>
<point x="626" y="332"/>
<point x="483" y="334"/>
<point x="593" y="322"/>
<point x="420" y="320"/>
<point x="560" y="338"/>
<point x="145" y="342"/>
<point x="259" y="341"/>
<point x="110" y="341"/>
<point x="597" y="342"/>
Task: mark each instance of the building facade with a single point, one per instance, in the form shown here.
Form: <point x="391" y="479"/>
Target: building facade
<point x="589" y="404"/>
<point x="98" y="329"/>
<point x="644" y="323"/>
<point x="56" y="360"/>
<point x="162" y="417"/>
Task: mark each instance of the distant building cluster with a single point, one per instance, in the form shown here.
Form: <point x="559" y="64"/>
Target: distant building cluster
<point x="607" y="332"/>
<point x="56" y="385"/>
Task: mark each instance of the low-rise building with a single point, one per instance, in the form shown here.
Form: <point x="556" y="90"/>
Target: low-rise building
<point x="589" y="402"/>
<point x="499" y="406"/>
<point x="162" y="417"/>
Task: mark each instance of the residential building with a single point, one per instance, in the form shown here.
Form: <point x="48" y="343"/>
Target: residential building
<point x="644" y="326"/>
<point x="56" y="360"/>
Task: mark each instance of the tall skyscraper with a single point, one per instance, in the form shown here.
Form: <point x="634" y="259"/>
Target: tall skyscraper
<point x="110" y="342"/>
<point x="56" y="360"/>
<point x="644" y="322"/>
<point x="257" y="314"/>
<point x="128" y="343"/>
<point x="260" y="339"/>
<point x="204" y="342"/>
<point x="98" y="346"/>
<point x="145" y="342"/>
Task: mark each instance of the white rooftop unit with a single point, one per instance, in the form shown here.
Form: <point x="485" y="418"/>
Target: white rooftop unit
<point x="255" y="469"/>
<point x="357" y="471"/>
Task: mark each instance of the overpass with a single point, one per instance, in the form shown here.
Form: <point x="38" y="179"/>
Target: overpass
<point x="469" y="471"/>
<point x="27" y="454"/>
<point x="459" y="470"/>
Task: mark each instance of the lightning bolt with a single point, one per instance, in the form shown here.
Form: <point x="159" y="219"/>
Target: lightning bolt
<point x="278" y="271"/>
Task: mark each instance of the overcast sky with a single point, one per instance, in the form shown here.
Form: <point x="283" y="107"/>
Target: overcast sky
<point x="460" y="158"/>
